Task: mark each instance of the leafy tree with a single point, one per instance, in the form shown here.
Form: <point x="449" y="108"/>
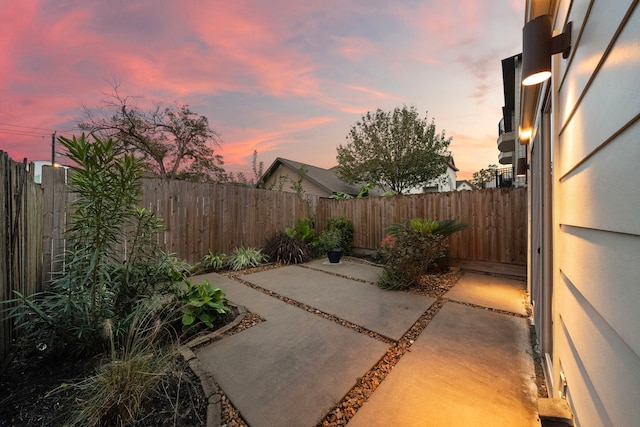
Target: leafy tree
<point x="171" y="140"/>
<point x="481" y="177"/>
<point x="396" y="150"/>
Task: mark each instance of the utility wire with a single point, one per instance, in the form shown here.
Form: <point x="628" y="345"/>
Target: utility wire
<point x="23" y="133"/>
<point x="26" y="127"/>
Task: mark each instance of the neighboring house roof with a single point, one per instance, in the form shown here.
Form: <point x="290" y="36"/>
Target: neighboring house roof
<point x="324" y="178"/>
<point x="465" y="182"/>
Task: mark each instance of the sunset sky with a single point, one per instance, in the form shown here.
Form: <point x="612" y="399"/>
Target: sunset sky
<point x="285" y="78"/>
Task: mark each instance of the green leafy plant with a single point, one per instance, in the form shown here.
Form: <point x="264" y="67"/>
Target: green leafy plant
<point x="345" y="228"/>
<point x="330" y="240"/>
<point x="285" y="249"/>
<point x="99" y="282"/>
<point x="411" y="247"/>
<point x="114" y="394"/>
<point x="214" y="261"/>
<point x="202" y="303"/>
<point x="303" y="231"/>
<point x="242" y="257"/>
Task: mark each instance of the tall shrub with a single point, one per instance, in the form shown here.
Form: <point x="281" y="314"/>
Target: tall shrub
<point x="411" y="247"/>
<point x="95" y="283"/>
<point x="345" y="228"/>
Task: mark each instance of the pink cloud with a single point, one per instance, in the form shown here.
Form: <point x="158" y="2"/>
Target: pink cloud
<point x="355" y="49"/>
<point x="240" y="144"/>
<point x="253" y="49"/>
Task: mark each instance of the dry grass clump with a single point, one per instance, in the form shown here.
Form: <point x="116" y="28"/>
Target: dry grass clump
<point x="115" y="393"/>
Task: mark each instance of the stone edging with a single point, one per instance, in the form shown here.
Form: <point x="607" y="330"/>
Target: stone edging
<point x="211" y="391"/>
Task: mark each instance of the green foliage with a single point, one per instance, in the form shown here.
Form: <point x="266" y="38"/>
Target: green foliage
<point x="242" y="258"/>
<point x="364" y="192"/>
<point x="213" y="261"/>
<point x="341" y="195"/>
<point x="411" y="247"/>
<point x="210" y="262"/>
<point x="396" y="150"/>
<point x="96" y="284"/>
<point x="202" y="303"/>
<point x="297" y="184"/>
<point x="393" y="279"/>
<point x="114" y="394"/>
<point x="303" y="231"/>
<point x="330" y="240"/>
<point x="484" y="176"/>
<point x="345" y="228"/>
<point x="285" y="249"/>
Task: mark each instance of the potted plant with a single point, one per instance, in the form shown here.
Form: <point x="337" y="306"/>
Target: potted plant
<point x="330" y="243"/>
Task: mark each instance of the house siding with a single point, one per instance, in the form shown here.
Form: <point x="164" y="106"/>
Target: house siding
<point x="595" y="134"/>
<point x="291" y="176"/>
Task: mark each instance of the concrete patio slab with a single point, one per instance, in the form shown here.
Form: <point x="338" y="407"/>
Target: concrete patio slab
<point x="470" y="367"/>
<point x="490" y="291"/>
<point x="367" y="272"/>
<point x="388" y="313"/>
<point x="291" y="369"/>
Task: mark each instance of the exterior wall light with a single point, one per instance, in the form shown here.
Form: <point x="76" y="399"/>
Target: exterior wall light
<point x="524" y="135"/>
<point x="538" y="45"/>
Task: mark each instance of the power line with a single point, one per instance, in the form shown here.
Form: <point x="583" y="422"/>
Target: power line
<point x="26" y="127"/>
<point x="22" y="133"/>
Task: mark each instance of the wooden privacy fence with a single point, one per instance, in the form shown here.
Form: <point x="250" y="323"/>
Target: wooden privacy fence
<point x="20" y="238"/>
<point x="497" y="220"/>
<point x="197" y="217"/>
<point x="202" y="217"/>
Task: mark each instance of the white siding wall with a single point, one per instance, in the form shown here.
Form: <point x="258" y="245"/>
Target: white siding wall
<point x="596" y="187"/>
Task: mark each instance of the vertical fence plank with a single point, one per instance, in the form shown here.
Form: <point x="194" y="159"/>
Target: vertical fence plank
<point x="496" y="220"/>
<point x="21" y="229"/>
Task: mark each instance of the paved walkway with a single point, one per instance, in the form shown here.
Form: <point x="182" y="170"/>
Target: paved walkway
<point x="470" y="366"/>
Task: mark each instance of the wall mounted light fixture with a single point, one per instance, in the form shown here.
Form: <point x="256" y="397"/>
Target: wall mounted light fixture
<point x="538" y="45"/>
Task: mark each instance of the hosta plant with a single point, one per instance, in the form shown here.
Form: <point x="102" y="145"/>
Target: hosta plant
<point x="202" y="303"/>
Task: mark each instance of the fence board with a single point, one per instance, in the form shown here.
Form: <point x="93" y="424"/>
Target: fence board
<point x="496" y="220"/>
<point x="21" y="229"/>
<point x="197" y="217"/>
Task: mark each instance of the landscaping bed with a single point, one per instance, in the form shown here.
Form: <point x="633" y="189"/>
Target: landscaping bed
<point x="37" y="390"/>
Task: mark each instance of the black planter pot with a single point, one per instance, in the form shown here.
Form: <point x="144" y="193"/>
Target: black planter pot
<point x="334" y="256"/>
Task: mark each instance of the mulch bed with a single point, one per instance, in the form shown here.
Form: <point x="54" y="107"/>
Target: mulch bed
<point x="33" y="391"/>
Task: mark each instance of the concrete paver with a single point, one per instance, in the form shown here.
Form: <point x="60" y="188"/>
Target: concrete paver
<point x="367" y="272"/>
<point x="388" y="313"/>
<point x="490" y="291"/>
<point x="291" y="369"/>
<point x="469" y="367"/>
